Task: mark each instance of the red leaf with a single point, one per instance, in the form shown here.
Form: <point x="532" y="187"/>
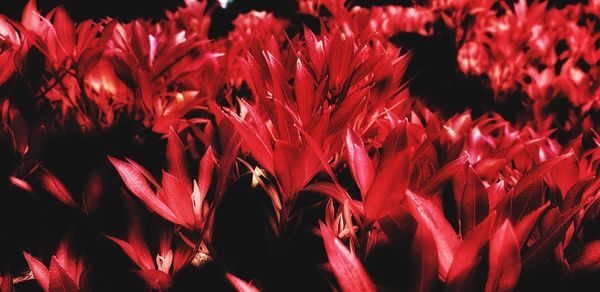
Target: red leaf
<point x="388" y="188"/>
<point x="93" y="191"/>
<point x="55" y="187"/>
<point x="348" y="270"/>
<point x="565" y="175"/>
<point x="471" y="197"/>
<point x="65" y="30"/>
<point x="261" y="150"/>
<point x="424" y="261"/>
<point x="130" y="251"/>
<point x="289" y="168"/>
<point x="538" y="173"/>
<point x="489" y="168"/>
<point x="239" y="284"/>
<point x="176" y="164"/>
<point x="525" y="225"/>
<point x="359" y="161"/>
<point x="39" y="270"/>
<point x="588" y="261"/>
<point x="441" y="176"/>
<point x="156" y="279"/>
<point x="505" y="260"/>
<point x="446" y="239"/>
<point x="20" y="183"/>
<point x="59" y="279"/>
<point x="205" y="175"/>
<point x="137" y="184"/>
<point x="304" y="87"/>
<point x="178" y="199"/>
<point x="400" y="227"/>
<point x="555" y="233"/>
<point x="6" y="282"/>
<point x="468" y="256"/>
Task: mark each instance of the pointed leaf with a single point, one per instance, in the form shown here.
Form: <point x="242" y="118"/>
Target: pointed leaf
<point x="446" y="239"/>
<point x="289" y="168"/>
<point x="239" y="284"/>
<point x="348" y="270"/>
<point x="359" y="161"/>
<point x="138" y="185"/>
<point x="505" y="260"/>
<point x="39" y="271"/>
<point x="60" y="280"/>
<point x="56" y="188"/>
<point x="424" y="261"/>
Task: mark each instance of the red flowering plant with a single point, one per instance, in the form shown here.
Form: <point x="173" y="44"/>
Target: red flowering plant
<point x="363" y="185"/>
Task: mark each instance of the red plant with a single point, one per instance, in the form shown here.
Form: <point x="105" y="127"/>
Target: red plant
<point x="317" y="125"/>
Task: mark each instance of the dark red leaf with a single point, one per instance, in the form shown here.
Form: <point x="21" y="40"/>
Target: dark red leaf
<point x="468" y="256"/>
<point x="55" y="187"/>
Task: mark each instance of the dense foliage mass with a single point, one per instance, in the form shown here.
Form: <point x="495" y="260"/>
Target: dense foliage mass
<point x="292" y="154"/>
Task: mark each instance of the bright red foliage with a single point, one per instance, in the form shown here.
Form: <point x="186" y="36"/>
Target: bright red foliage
<point x="319" y="121"/>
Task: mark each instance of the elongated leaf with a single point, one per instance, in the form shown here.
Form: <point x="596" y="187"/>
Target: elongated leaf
<point x="554" y="234"/>
<point x="388" y="188"/>
<point x="304" y="87"/>
<point x="65" y="30"/>
<point x="348" y="270"/>
<point x="505" y="260"/>
<point x="424" y="261"/>
<point x="260" y="150"/>
<point x="588" y="261"/>
<point x="359" y="162"/>
<point x="56" y="188"/>
<point x="538" y="173"/>
<point x="20" y="183"/>
<point x="240" y="285"/>
<point x="176" y="164"/>
<point x="289" y="168"/>
<point x="446" y="239"/>
<point x="39" y="271"/>
<point x="471" y="197"/>
<point x="525" y="225"/>
<point x="400" y="227"/>
<point x="441" y="176"/>
<point x="156" y="279"/>
<point x="60" y="280"/>
<point x="138" y="185"/>
<point x="468" y="256"/>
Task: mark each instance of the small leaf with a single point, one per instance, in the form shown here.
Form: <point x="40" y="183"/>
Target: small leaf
<point x="240" y="285"/>
<point x="55" y="187"/>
